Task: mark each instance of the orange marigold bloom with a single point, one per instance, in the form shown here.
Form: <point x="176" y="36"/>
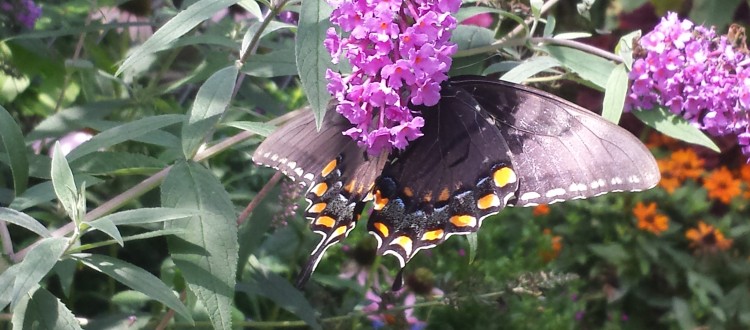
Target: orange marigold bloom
<point x="686" y="164"/>
<point x="542" y="209"/>
<point x="555" y="247"/>
<point x="722" y="185"/>
<point x="649" y="219"/>
<point x="745" y="176"/>
<point x="707" y="238"/>
<point x="668" y="181"/>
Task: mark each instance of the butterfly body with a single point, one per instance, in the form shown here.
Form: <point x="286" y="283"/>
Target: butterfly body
<point x="487" y="144"/>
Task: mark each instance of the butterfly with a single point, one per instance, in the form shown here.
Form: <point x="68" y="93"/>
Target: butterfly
<point x="486" y="144"/>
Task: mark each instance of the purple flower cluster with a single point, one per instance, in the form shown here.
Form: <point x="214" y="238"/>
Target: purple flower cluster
<point x="399" y="52"/>
<point x="696" y="74"/>
<point x="25" y="12"/>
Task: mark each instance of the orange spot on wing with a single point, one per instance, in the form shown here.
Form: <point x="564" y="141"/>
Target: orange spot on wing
<point x="503" y="176"/>
<point x="382" y="228"/>
<point x="325" y="221"/>
<point x="404" y="242"/>
<point x="380" y="201"/>
<point x="317" y="208"/>
<point x="433" y="235"/>
<point x="463" y="221"/>
<point x="408" y="192"/>
<point x="488" y="201"/>
<point x="320" y="189"/>
<point x="329" y="168"/>
<point x="444" y="195"/>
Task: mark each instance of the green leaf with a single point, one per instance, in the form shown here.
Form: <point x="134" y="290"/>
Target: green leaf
<point x="42" y="310"/>
<point x="135" y="278"/>
<point x="156" y="137"/>
<point x="682" y="313"/>
<point x="63" y="183"/>
<point x="549" y="26"/>
<point x="147" y="215"/>
<point x="117" y="163"/>
<point x="108" y="228"/>
<point x="278" y="289"/>
<point x="122" y="133"/>
<point x="713" y="12"/>
<point x="7" y="278"/>
<point x="624" y="48"/>
<point x="206" y="252"/>
<point x="262" y="129"/>
<point x="65" y="270"/>
<point x="675" y="126"/>
<point x="472" y="239"/>
<point x="465" y="13"/>
<point x="590" y="67"/>
<point x="612" y="252"/>
<point x="271" y="27"/>
<point x="615" y="93"/>
<point x="472" y="36"/>
<point x="251" y="6"/>
<point x="312" y="57"/>
<point x="70" y="119"/>
<point x="210" y="102"/>
<point x="176" y="27"/>
<point x="45" y="192"/>
<point x="277" y="63"/>
<point x="529" y="68"/>
<point x="12" y="139"/>
<point x="23" y="220"/>
<point x="37" y="263"/>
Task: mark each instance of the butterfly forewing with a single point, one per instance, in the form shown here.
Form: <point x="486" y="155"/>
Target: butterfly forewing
<point x="560" y="150"/>
<point x="336" y="171"/>
<point x="445" y="182"/>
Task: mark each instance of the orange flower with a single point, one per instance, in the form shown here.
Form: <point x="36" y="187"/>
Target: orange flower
<point x="686" y="164"/>
<point x="745" y="175"/>
<point x="649" y="219"/>
<point x="541" y="210"/>
<point x="668" y="181"/>
<point x="722" y="185"/>
<point x="658" y="140"/>
<point x="707" y="238"/>
<point x="555" y="247"/>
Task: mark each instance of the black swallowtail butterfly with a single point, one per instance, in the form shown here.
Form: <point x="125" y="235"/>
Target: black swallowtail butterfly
<point x="487" y="144"/>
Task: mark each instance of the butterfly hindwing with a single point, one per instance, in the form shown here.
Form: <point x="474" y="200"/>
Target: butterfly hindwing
<point x="560" y="150"/>
<point x="445" y="182"/>
<point x="336" y="171"/>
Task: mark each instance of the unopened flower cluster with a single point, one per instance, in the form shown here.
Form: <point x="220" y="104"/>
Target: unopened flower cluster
<point x="399" y="52"/>
<point x="696" y="74"/>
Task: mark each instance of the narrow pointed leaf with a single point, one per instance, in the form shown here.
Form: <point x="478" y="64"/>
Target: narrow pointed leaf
<point x="176" y="27"/>
<point x="614" y="95"/>
<point x="262" y="129"/>
<point x="23" y="220"/>
<point x="280" y="62"/>
<point x="63" y="182"/>
<point x="12" y="139"/>
<point x="37" y="263"/>
<point x="42" y="310"/>
<point x="106" y="226"/>
<point x="529" y="68"/>
<point x="210" y="102"/>
<point x="135" y="278"/>
<point x="677" y="127"/>
<point x="590" y="67"/>
<point x="122" y="133"/>
<point x="45" y="192"/>
<point x="206" y="252"/>
<point x="312" y="57"/>
<point x="7" y="278"/>
<point x="71" y="118"/>
<point x="147" y="215"/>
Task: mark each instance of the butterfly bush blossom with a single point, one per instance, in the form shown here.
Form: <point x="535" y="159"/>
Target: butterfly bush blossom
<point x="399" y="52"/>
<point x="696" y="74"/>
